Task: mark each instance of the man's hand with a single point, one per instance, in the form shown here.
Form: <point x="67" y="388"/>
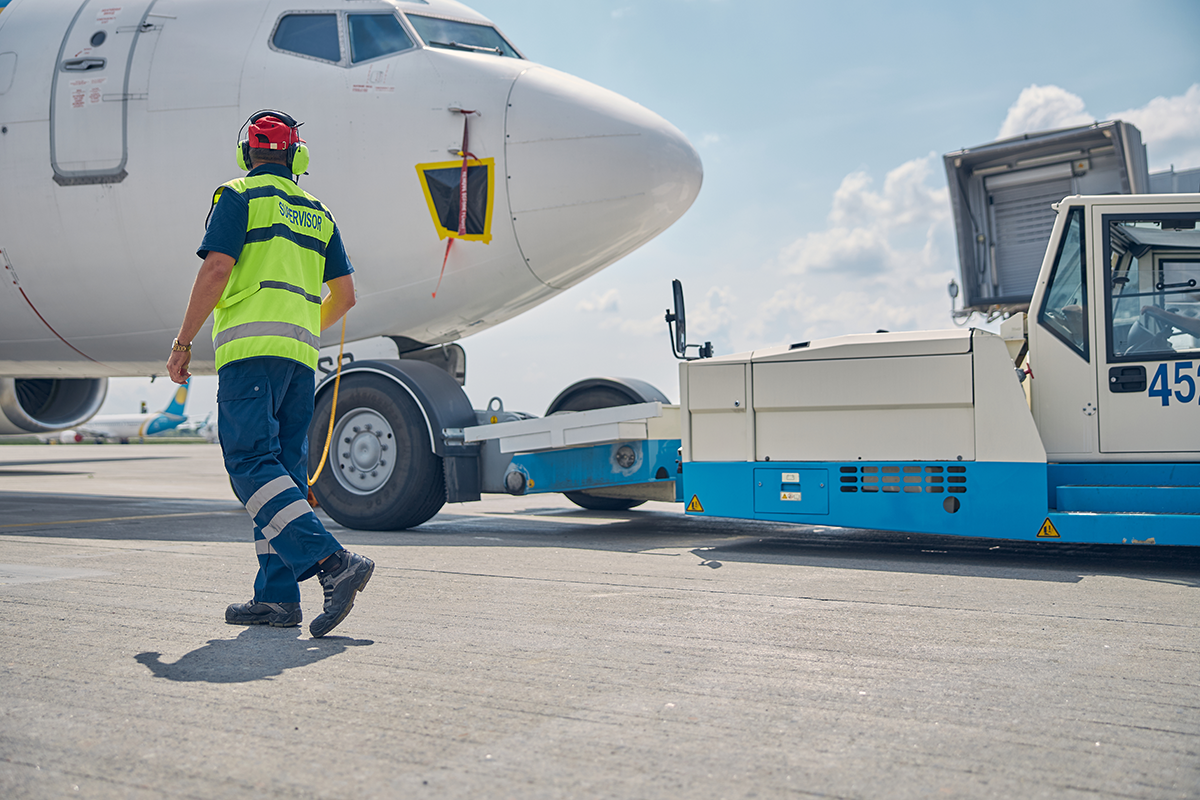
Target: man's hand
<point x="177" y="365"/>
<point x="206" y="291"/>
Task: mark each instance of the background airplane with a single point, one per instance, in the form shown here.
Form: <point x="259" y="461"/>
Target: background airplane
<point x="204" y="428"/>
<point x="123" y="427"/>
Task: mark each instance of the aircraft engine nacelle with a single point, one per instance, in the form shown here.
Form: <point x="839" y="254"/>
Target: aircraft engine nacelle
<point x="42" y="405"/>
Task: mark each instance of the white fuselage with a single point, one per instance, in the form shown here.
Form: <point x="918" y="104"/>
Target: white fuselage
<point x="128" y="426"/>
<point x="98" y="270"/>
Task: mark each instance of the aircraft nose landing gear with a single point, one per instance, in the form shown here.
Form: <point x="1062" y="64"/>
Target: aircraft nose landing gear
<point x="383" y="473"/>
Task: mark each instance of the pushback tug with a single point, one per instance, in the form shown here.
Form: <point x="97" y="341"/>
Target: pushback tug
<point x="1079" y="423"/>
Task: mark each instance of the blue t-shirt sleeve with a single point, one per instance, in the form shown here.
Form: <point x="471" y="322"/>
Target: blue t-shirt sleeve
<point x="337" y="263"/>
<point x="226" y="231"/>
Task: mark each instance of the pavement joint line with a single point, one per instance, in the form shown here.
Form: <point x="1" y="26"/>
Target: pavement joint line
<point x="118" y="519"/>
<point x="563" y="520"/>
<point x="802" y="598"/>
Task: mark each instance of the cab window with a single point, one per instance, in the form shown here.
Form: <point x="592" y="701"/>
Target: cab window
<point x="314" y="35"/>
<point x="1154" y="287"/>
<point x="1065" y="307"/>
<point x="466" y="36"/>
<point x="376" y="35"/>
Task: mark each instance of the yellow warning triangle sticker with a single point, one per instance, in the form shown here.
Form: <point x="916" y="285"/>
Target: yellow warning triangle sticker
<point x="1048" y="530"/>
<point x="695" y="505"/>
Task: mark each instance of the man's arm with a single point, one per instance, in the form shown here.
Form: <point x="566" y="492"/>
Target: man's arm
<point x="206" y="291"/>
<point x="340" y="300"/>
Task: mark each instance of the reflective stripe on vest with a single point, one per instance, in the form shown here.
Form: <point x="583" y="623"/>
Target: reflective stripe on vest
<point x="272" y="304"/>
<point x="248" y="330"/>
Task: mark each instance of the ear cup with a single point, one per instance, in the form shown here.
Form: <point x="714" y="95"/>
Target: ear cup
<point x="243" y="155"/>
<point x="298" y="157"/>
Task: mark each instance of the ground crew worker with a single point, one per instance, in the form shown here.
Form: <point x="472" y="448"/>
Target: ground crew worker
<point x="267" y="249"/>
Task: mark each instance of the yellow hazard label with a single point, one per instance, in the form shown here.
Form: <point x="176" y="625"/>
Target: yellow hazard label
<point x="695" y="505"/>
<point x="1048" y="530"/>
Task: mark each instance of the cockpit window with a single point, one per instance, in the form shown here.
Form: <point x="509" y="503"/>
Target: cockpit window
<point x="314" y="35"/>
<point x="376" y="35"/>
<point x="466" y="36"/>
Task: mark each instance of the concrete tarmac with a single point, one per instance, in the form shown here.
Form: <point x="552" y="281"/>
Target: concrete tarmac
<point x="522" y="648"/>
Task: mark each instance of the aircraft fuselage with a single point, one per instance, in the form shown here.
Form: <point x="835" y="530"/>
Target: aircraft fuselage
<point x="116" y="125"/>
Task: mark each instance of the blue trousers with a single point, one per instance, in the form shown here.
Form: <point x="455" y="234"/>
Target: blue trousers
<point x="264" y="406"/>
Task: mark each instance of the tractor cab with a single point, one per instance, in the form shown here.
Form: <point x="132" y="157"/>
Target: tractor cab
<point x="1115" y="331"/>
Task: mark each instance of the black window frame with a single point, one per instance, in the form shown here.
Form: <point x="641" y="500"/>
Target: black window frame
<point x="343" y="45"/>
<point x="1158" y="355"/>
<point x="413" y="40"/>
<point x="1086" y="351"/>
<point x="421" y="39"/>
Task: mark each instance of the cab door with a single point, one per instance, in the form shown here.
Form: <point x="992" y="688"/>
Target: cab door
<point x="1062" y="343"/>
<point x="89" y="95"/>
<point x="1148" y="276"/>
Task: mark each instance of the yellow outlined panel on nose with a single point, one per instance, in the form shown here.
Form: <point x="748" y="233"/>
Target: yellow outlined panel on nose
<point x="441" y="182"/>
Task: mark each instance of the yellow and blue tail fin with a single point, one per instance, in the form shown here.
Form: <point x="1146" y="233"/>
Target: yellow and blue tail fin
<point x="179" y="400"/>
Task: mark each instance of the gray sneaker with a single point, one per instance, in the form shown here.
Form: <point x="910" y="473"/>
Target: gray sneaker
<point x="346" y="575"/>
<point x="277" y="615"/>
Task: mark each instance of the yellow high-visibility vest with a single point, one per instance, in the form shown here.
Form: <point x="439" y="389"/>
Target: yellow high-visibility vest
<point x="272" y="303"/>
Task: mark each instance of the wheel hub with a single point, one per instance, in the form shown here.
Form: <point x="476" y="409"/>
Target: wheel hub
<point x="365" y="451"/>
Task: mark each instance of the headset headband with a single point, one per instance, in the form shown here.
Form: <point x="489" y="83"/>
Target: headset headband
<point x="286" y="119"/>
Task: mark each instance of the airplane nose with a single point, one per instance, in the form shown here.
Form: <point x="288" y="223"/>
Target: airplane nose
<point x="592" y="175"/>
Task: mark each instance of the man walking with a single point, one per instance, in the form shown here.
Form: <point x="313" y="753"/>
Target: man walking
<point x="268" y="248"/>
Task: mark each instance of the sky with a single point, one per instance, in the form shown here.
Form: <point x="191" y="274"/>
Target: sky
<point x="821" y="127"/>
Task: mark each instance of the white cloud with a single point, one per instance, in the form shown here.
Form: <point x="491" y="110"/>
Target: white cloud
<point x="709" y="139"/>
<point x="1170" y="129"/>
<point x="871" y="232"/>
<point x="1170" y="126"/>
<point x="1043" y="108"/>
<point x="607" y="303"/>
<point x="712" y="319"/>
<point x="883" y="261"/>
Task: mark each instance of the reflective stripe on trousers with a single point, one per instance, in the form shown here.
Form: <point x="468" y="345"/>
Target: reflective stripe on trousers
<point x="264" y="406"/>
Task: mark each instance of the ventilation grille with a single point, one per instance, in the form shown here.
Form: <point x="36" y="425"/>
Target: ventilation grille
<point x="906" y="479"/>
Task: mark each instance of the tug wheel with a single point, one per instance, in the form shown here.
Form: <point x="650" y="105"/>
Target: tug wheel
<point x="604" y="393"/>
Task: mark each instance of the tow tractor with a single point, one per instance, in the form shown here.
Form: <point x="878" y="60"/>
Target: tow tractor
<point x="1080" y="422"/>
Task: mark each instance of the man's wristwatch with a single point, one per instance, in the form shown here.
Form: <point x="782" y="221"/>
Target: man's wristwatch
<point x="181" y="348"/>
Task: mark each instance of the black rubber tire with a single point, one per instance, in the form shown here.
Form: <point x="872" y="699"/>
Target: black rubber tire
<point x="416" y="489"/>
<point x="593" y="503"/>
<point x="586" y="399"/>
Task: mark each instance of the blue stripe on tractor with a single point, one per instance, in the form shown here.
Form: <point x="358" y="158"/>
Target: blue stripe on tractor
<point x="600" y="466"/>
<point x="995" y="500"/>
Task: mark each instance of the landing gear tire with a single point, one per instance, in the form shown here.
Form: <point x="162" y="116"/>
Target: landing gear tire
<point x="381" y="474"/>
<point x="603" y="393"/>
<point x="592" y="503"/>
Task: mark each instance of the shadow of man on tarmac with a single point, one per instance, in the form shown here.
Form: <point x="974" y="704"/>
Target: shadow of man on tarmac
<point x="256" y="653"/>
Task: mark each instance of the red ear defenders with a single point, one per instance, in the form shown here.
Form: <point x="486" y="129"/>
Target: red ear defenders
<point x="274" y="130"/>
